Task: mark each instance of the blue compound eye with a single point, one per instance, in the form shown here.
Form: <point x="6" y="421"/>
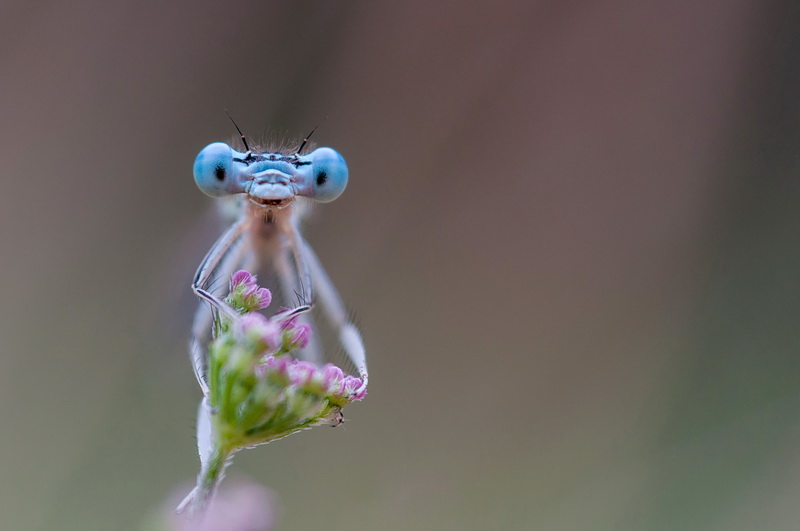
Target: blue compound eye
<point x="329" y="178"/>
<point x="213" y="169"/>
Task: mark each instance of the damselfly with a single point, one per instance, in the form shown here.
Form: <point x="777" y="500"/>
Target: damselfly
<point x="271" y="190"/>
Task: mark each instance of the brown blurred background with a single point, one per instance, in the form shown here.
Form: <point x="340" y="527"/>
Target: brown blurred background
<point x="570" y="236"/>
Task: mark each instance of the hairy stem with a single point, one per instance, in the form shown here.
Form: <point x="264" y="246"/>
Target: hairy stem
<point x="209" y="479"/>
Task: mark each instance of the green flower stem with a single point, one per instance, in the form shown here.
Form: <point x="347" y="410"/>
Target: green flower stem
<point x="210" y="477"/>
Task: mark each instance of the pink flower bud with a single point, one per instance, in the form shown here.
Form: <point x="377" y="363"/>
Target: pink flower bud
<point x="353" y="388"/>
<point x="302" y="372"/>
<point x="255" y="324"/>
<point x="301" y="334"/>
<point x="332" y="378"/>
<point x="242" y="278"/>
<point x="262" y="297"/>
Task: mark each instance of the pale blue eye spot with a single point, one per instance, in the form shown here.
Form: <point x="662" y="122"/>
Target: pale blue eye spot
<point x="330" y="174"/>
<point x="213" y="169"/>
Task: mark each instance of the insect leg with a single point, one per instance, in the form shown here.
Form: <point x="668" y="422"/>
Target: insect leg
<point x="296" y="243"/>
<point x="220" y="263"/>
<point x="333" y="308"/>
<point x="288" y="284"/>
<point x="215" y="255"/>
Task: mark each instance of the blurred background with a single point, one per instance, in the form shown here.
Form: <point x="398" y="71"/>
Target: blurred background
<point x="570" y="238"/>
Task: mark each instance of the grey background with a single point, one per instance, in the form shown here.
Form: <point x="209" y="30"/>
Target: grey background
<point x="570" y="238"/>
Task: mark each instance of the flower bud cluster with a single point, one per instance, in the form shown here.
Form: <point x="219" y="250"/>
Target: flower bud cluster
<point x="258" y="391"/>
<point x="245" y="295"/>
